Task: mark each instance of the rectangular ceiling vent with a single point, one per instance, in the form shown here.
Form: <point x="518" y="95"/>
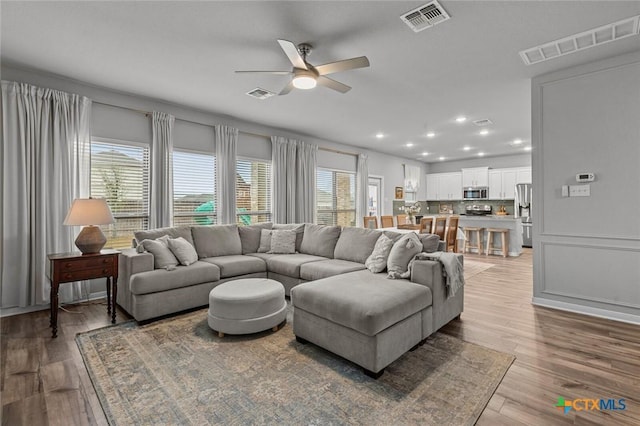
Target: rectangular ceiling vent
<point x="261" y="94"/>
<point x="425" y="16"/>
<point x="483" y="122"/>
<point x="595" y="37"/>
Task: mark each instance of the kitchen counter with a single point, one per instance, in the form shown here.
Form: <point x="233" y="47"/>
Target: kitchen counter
<point x="513" y="224"/>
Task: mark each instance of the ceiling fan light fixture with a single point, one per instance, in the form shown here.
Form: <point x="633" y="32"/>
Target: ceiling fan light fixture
<point x="304" y="80"/>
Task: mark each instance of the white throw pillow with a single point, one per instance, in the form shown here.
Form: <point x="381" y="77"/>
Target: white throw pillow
<point x="265" y="241"/>
<point x="402" y="252"/>
<point x="183" y="251"/>
<point x="283" y="242"/>
<point x="162" y="256"/>
<point x="377" y="261"/>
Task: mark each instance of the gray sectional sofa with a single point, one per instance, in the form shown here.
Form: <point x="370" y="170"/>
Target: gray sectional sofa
<point x="338" y="303"/>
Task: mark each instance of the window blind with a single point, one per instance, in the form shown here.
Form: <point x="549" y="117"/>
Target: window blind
<point x="335" y="197"/>
<point x="120" y="174"/>
<point x="253" y="191"/>
<point x="194" y="188"/>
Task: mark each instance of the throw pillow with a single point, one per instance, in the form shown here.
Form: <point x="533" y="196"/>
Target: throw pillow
<point x="162" y="256"/>
<point x="250" y="236"/>
<point x="356" y="244"/>
<point x="429" y="242"/>
<point x="402" y="252"/>
<point x="173" y="232"/>
<point x="265" y="241"/>
<point x="183" y="251"/>
<point x="283" y="242"/>
<point x="377" y="261"/>
<point x="320" y="240"/>
<point x="298" y="227"/>
<point x="216" y="240"/>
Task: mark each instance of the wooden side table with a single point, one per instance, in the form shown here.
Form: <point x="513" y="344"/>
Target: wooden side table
<point x="69" y="267"/>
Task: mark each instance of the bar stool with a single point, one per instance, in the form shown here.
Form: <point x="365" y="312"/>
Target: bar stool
<point x="468" y="231"/>
<point x="503" y="235"/>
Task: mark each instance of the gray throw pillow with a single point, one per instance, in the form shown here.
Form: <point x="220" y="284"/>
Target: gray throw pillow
<point x="377" y="261"/>
<point x="173" y="232"/>
<point x="283" y="242"/>
<point x="356" y="244"/>
<point x="429" y="242"/>
<point x="265" y="241"/>
<point x="298" y="227"/>
<point x="402" y="252"/>
<point x="183" y="251"/>
<point x="162" y="256"/>
<point x="320" y="240"/>
<point x="250" y="236"/>
<point x="216" y="240"/>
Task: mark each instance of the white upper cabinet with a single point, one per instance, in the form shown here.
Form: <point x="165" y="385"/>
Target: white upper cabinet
<point x="502" y="182"/>
<point x="476" y="176"/>
<point x="444" y="186"/>
<point x="524" y="175"/>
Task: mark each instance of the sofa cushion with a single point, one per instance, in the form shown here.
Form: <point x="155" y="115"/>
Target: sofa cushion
<point x="377" y="261"/>
<point x="263" y="256"/>
<point x="402" y="252"/>
<point x="327" y="268"/>
<point x="356" y="244"/>
<point x="173" y="232"/>
<point x="216" y="240"/>
<point x="162" y="255"/>
<point x="235" y="265"/>
<point x="320" y="240"/>
<point x="250" y="236"/>
<point x="298" y="227"/>
<point x="429" y="242"/>
<point x="182" y="250"/>
<point x="283" y="241"/>
<point x="289" y="264"/>
<point x="183" y="276"/>
<point x="369" y="303"/>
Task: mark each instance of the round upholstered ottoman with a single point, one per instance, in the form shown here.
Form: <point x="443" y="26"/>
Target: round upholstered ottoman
<point x="247" y="306"/>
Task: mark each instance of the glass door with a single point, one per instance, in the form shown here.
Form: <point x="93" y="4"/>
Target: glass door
<point x="375" y="197"/>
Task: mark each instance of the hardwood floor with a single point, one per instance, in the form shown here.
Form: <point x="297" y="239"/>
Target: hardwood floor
<point x="559" y="354"/>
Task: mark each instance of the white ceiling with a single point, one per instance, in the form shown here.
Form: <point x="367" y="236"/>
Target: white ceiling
<point x="186" y="53"/>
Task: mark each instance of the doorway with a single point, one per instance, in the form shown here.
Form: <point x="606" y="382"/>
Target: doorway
<point x="375" y="197"/>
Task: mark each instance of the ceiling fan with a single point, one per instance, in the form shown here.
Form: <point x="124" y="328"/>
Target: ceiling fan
<point x="307" y="76"/>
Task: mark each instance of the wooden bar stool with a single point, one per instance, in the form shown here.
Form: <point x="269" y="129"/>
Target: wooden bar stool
<point x="503" y="235"/>
<point x="468" y="232"/>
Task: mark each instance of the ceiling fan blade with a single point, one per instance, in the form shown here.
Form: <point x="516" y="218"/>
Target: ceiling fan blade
<point x="287" y="89"/>
<point x="347" y="64"/>
<point x="265" y="72"/>
<point x="332" y="84"/>
<point x="291" y="51"/>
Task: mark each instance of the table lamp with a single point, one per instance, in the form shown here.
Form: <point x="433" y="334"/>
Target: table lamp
<point x="90" y="212"/>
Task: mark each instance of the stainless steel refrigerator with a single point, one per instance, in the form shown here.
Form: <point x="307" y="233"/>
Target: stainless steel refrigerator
<point x="522" y="209"/>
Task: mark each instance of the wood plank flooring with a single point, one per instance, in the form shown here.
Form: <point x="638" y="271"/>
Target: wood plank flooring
<point x="44" y="381"/>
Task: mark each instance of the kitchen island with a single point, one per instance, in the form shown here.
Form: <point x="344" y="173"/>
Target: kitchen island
<point x="513" y="224"/>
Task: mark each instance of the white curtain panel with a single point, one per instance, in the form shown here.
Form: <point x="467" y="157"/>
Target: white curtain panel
<point x="305" y="200"/>
<point x="226" y="140"/>
<point x="46" y="138"/>
<point x="161" y="187"/>
<point x="362" y="189"/>
<point x="411" y="178"/>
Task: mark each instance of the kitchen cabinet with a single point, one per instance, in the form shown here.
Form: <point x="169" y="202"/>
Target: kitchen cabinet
<point x="502" y="183"/>
<point x="523" y="175"/>
<point x="475" y="177"/>
<point x="444" y="186"/>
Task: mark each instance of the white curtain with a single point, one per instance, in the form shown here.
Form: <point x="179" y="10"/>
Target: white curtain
<point x="45" y="146"/>
<point x="161" y="188"/>
<point x="294" y="180"/>
<point x="362" y="189"/>
<point x="226" y="139"/>
<point x="411" y="178"/>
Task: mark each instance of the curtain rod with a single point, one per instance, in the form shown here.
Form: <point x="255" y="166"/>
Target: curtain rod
<point x="148" y="113"/>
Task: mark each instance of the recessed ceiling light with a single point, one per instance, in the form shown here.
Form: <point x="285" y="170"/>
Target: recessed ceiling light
<point x="484" y="132"/>
<point x="517" y="141"/>
<point x="481" y="154"/>
<point x="425" y="153"/>
<point x="431" y="135"/>
<point x="467" y="148"/>
<point x="379" y="135"/>
<point x="527" y="148"/>
<point x="441" y="158"/>
<point x="409" y="144"/>
<point x="461" y="119"/>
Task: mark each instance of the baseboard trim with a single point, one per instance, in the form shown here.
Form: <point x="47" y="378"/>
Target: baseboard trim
<point x="587" y="310"/>
<point x="9" y="312"/>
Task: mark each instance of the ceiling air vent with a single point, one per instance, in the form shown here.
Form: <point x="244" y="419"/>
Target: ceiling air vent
<point x="425" y="16"/>
<point x="595" y="37"/>
<point x="261" y="94"/>
<point x="483" y="122"/>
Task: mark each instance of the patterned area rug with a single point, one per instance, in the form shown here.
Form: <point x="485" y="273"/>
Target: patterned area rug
<point x="177" y="371"/>
<point x="473" y="267"/>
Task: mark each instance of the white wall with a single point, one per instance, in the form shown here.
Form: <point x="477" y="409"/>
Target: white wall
<point x="505" y="161"/>
<point x="587" y="249"/>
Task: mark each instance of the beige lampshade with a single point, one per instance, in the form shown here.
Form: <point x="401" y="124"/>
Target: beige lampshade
<point x="89" y="211"/>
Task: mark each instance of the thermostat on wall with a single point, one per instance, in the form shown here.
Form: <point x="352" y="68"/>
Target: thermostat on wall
<point x="585" y="177"/>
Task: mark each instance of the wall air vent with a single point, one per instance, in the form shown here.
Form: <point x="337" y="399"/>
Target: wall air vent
<point x="483" y="122"/>
<point x="261" y="94"/>
<point x="595" y="37"/>
<point x="425" y="16"/>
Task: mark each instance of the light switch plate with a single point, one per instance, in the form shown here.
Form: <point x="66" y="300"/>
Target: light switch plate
<point x="579" y="190"/>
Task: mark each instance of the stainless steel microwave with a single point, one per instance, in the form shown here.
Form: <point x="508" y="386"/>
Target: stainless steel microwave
<point x="477" y="193"/>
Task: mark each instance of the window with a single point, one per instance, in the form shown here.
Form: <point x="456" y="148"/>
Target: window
<point x="253" y="191"/>
<point x="120" y="174"/>
<point x="194" y="186"/>
<point x="336" y="197"/>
